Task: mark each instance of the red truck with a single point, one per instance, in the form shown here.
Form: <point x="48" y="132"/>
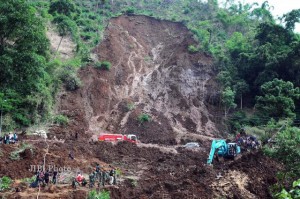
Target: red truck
<point x="117" y="137"/>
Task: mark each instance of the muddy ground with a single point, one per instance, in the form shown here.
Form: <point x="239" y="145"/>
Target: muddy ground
<point x="152" y="73"/>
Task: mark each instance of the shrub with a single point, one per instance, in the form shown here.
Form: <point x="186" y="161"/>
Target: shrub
<point x="144" y="118"/>
<point x="106" y="65"/>
<point x="86" y="36"/>
<point x="72" y="82"/>
<point x="147" y="58"/>
<point x="15" y="155"/>
<point x="69" y="77"/>
<point x="293" y="193"/>
<point x="5" y="183"/>
<point x="133" y="182"/>
<point x="192" y="49"/>
<point x="130" y="106"/>
<point x="130" y="11"/>
<point x="118" y="172"/>
<point x="237" y="121"/>
<point x="61" y="120"/>
<point x="28" y="180"/>
<point x="286" y="150"/>
<point x="101" y="195"/>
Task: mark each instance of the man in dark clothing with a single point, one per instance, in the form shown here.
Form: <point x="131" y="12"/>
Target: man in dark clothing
<point x="46" y="177"/>
<point x="54" y="177"/>
<point x="98" y="167"/>
<point x="5" y="139"/>
<point x="98" y="173"/>
<point x="92" y="179"/>
<point x="104" y="176"/>
<point x="71" y="155"/>
<point x="37" y="176"/>
<point x="41" y="176"/>
<point x="112" y="174"/>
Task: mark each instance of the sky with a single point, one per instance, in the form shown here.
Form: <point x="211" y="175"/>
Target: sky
<point x="280" y="7"/>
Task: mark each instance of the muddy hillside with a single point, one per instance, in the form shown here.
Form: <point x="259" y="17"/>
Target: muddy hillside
<point x="152" y="73"/>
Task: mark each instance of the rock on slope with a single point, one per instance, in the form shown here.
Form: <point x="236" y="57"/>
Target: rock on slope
<point x="153" y="73"/>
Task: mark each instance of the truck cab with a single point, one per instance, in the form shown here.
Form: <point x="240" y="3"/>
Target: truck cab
<point x="132" y="138"/>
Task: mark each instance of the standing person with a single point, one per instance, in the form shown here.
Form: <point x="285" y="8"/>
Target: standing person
<point x="42" y="176"/>
<point x="71" y="155"/>
<point x="54" y="177"/>
<point x="112" y="174"/>
<point x="46" y="177"/>
<point x="15" y="137"/>
<point x="98" y="173"/>
<point x="92" y="179"/>
<point x="103" y="174"/>
<point x="5" y="139"/>
<point x="11" y="138"/>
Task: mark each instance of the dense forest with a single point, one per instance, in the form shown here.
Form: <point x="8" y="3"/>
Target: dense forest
<point x="256" y="58"/>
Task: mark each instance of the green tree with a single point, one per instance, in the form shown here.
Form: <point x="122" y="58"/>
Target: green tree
<point x="263" y="13"/>
<point x="277" y="99"/>
<point x="63" y="7"/>
<point x="237" y="44"/>
<point x="98" y="195"/>
<point x="240" y="88"/>
<point x="228" y="96"/>
<point x="24" y="51"/>
<point x="287" y="151"/>
<point x="225" y="78"/>
<point x="65" y="26"/>
<point x="291" y="18"/>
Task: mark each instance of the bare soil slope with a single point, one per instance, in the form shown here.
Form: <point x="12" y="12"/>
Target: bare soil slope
<point x="153" y="73"/>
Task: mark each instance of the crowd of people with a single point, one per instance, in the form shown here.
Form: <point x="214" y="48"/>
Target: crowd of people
<point x="43" y="178"/>
<point x="246" y="141"/>
<point x="10" y="138"/>
<point x="99" y="176"/>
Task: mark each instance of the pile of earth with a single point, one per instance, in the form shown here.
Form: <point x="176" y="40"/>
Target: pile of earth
<point x="152" y="173"/>
<point x="153" y="74"/>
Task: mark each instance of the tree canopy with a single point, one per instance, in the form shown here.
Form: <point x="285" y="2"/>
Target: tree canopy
<point x="23" y="58"/>
<point x="277" y="98"/>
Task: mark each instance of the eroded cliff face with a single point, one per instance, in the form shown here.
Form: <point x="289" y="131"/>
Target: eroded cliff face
<point x="153" y="73"/>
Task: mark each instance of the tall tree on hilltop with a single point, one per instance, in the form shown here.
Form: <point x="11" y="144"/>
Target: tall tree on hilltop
<point x="291" y="18"/>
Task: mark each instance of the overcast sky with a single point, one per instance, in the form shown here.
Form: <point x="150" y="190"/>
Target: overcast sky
<point x="280" y="7"/>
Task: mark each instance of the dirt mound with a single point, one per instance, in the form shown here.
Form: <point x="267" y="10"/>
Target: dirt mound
<point x="249" y="176"/>
<point x="152" y="73"/>
<point x="186" y="175"/>
<point x="148" y="172"/>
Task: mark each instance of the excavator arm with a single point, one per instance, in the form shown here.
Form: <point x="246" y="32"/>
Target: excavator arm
<point x="216" y="144"/>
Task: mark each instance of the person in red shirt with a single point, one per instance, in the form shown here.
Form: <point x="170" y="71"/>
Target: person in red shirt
<point x="79" y="178"/>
